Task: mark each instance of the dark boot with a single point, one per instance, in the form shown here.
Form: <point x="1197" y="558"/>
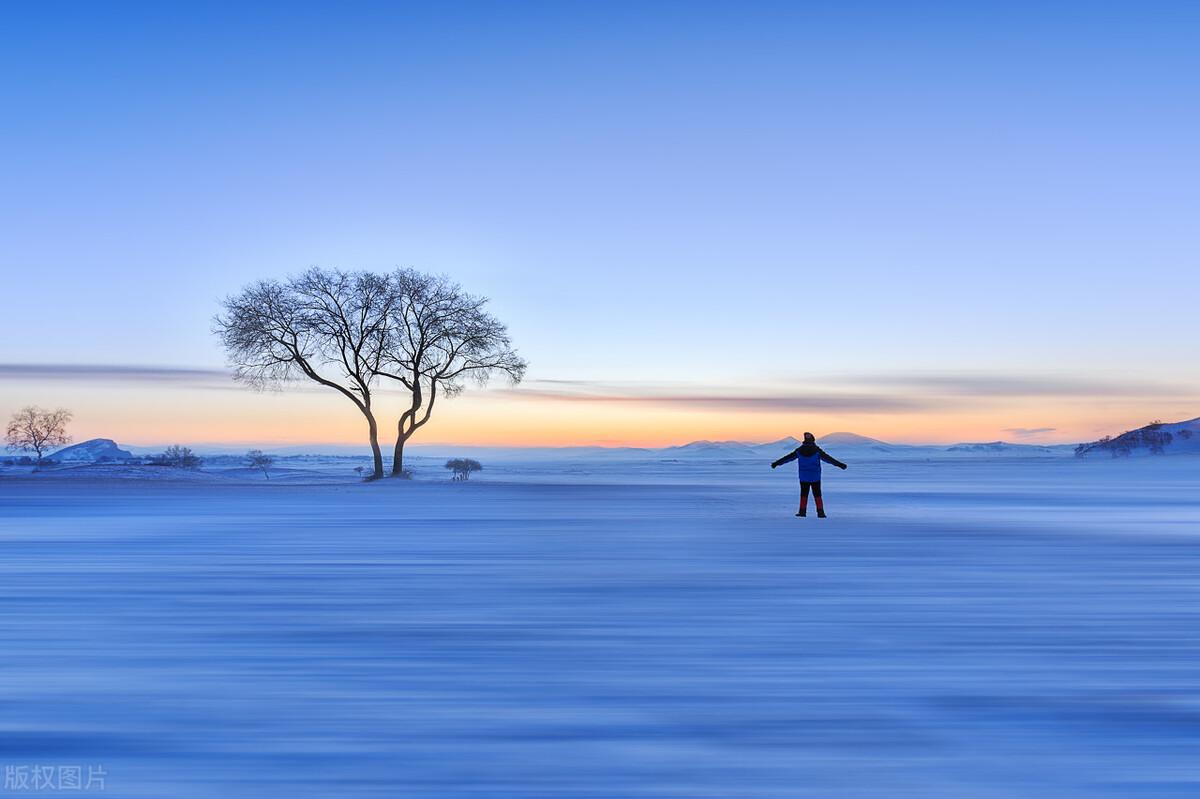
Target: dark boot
<point x="801" y="513"/>
<point x="821" y="514"/>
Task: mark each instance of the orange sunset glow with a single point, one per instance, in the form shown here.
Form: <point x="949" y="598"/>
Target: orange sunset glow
<point x="224" y="413"/>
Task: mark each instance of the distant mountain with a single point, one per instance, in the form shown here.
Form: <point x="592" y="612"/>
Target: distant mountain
<point x="96" y="450"/>
<point x="784" y="445"/>
<point x="709" y="449"/>
<point x="850" y="440"/>
<point x="692" y="450"/>
<point x="837" y="442"/>
<point x="853" y="442"/>
<point x="1005" y="448"/>
<point x="1157" y="438"/>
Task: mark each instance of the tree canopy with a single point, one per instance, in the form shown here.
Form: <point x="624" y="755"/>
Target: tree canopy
<point x="462" y="467"/>
<point x="34" y="429"/>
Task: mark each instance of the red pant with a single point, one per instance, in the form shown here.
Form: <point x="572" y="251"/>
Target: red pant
<point x="816" y="492"/>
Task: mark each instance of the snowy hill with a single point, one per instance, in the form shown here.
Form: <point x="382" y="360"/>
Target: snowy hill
<point x="853" y="441"/>
<point x="839" y="444"/>
<point x="783" y="444"/>
<point x="1158" y="438"/>
<point x="1005" y="448"/>
<point x="96" y="450"/>
<point x="852" y="444"/>
<point x="711" y="449"/>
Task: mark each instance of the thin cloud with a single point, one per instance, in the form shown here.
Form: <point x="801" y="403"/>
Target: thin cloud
<point x="166" y="376"/>
<point x="585" y="392"/>
<point x="881" y="393"/>
<point x="1017" y="385"/>
<point x="1029" y="431"/>
<point x="109" y="372"/>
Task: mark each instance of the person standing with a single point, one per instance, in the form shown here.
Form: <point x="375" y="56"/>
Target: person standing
<point x="808" y="457"/>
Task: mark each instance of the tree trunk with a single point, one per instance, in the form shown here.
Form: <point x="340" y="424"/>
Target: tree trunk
<point x="398" y="456"/>
<point x="376" y="452"/>
<point x="409" y="415"/>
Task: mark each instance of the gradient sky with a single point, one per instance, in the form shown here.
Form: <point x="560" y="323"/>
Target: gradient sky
<point x="918" y="221"/>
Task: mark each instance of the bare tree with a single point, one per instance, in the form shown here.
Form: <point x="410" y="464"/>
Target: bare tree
<point x="34" y="429"/>
<point x="260" y="460"/>
<point x="440" y="338"/>
<point x="327" y="326"/>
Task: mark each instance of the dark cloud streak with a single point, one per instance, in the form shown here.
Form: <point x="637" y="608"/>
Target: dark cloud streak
<point x="110" y="372"/>
<point x="760" y="403"/>
<point x="1029" y="431"/>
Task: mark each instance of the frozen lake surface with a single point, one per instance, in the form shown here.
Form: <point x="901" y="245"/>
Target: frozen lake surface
<point x="971" y="628"/>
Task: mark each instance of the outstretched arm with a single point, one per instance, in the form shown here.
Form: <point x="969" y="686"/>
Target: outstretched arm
<point x="832" y="461"/>
<point x="791" y="456"/>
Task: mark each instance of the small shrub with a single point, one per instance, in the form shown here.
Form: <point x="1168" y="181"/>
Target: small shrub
<point x="462" y="467"/>
<point x="177" y="457"/>
<point x="1157" y="441"/>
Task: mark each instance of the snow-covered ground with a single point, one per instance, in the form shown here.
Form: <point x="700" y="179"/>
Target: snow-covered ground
<point x="960" y="627"/>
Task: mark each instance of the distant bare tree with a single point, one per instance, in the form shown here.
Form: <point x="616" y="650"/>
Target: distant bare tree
<point x="327" y="326"/>
<point x="177" y="456"/>
<point x="440" y="338"/>
<point x="462" y="467"/>
<point x="34" y="429"/>
<point x="260" y="460"/>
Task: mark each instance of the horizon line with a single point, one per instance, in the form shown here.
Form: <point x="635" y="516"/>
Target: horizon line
<point x="436" y="444"/>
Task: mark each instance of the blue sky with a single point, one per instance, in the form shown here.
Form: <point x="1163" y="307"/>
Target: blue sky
<point x="663" y="200"/>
